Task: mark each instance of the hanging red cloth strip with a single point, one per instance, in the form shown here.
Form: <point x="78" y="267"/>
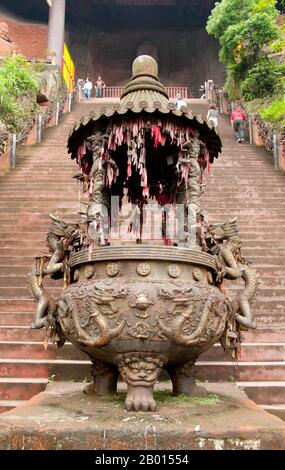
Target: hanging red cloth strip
<point x="156" y="133"/>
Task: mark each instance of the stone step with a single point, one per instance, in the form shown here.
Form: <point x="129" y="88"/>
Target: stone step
<point x="264" y="392"/>
<point x="21" y="349"/>
<point x="273" y="304"/>
<point x="16" y="319"/>
<point x="8" y="198"/>
<point x="276" y="410"/>
<point x="265" y="335"/>
<point x="269" y="320"/>
<point x="21" y="342"/>
<point x="272" y="281"/>
<point x="23" y="236"/>
<point x="22" y="292"/>
<point x="41" y="199"/>
<point x="236" y="199"/>
<point x="16" y="305"/>
<point x="25" y="350"/>
<point x="7" y="405"/>
<point x="249" y="352"/>
<point x="206" y="370"/>
<point x="244" y="371"/>
<point x="30" y="208"/>
<point x="22" y="281"/>
<point x="21" y="389"/>
<point x="24" y="368"/>
<point x="21" y="333"/>
<point x="26" y="244"/>
<point x="34" y="186"/>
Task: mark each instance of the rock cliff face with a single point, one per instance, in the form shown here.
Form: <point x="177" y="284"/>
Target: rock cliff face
<point x="30" y="39"/>
<point x="185" y="58"/>
<point x="7" y="47"/>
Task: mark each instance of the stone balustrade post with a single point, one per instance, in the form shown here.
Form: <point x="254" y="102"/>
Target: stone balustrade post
<point x="13" y="151"/>
<point x="281" y="152"/>
<point x="39" y="128"/>
<point x="57" y="114"/>
<point x="250" y="128"/>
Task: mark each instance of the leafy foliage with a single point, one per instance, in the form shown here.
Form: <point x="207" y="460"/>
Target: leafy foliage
<point x="264" y="79"/>
<point x="232" y="87"/>
<point x="246" y="29"/>
<point x="18" y="87"/>
<point x="245" y="42"/>
<point x="227" y="13"/>
<point x="275" y="113"/>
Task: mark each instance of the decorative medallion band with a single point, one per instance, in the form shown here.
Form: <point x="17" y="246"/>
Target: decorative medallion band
<point x="171" y="254"/>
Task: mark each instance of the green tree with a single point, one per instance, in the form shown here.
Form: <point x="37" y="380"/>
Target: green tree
<point x="264" y="79"/>
<point x="18" y="87"/>
<point x="246" y="41"/>
<point x="227" y="13"/>
<point x="245" y="30"/>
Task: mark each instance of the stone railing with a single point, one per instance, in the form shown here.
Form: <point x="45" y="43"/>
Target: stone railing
<point x="49" y="116"/>
<point x="259" y="132"/>
<point x="263" y="134"/>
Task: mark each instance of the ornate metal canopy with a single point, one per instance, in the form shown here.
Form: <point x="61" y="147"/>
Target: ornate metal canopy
<point x="145" y="96"/>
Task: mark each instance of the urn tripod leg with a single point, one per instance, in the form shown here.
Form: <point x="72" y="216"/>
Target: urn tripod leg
<point x="105" y="377"/>
<point x="140" y="371"/>
<point x="183" y="380"/>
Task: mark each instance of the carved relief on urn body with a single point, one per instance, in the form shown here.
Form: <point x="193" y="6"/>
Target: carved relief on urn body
<point x="138" y="323"/>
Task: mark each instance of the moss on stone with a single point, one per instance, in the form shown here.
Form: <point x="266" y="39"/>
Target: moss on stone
<point x="165" y="397"/>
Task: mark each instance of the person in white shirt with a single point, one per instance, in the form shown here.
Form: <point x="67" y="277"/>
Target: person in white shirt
<point x="179" y="101"/>
<point x="87" y="87"/>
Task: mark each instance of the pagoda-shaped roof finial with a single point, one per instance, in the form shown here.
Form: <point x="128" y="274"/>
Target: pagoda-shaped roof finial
<point x="144" y="84"/>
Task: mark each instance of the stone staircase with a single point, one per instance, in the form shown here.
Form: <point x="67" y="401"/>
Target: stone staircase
<point x="40" y="184"/>
<point x="242" y="182"/>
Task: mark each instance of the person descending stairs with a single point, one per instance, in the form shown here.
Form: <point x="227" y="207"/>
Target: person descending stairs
<point x="241" y="183"/>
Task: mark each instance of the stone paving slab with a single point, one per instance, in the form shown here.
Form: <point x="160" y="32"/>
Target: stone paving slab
<point x="63" y="418"/>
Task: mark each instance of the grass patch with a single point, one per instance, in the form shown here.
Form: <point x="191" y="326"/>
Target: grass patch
<point x="165" y="397"/>
<point x="119" y="398"/>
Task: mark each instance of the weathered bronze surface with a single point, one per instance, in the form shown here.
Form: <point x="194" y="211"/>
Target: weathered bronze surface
<point x="138" y="308"/>
<point x="140" y="319"/>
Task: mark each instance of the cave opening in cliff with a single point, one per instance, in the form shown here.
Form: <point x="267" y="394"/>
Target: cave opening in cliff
<point x="104" y="37"/>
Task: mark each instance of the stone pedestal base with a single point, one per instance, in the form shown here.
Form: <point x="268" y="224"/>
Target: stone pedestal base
<point x="63" y="418"/>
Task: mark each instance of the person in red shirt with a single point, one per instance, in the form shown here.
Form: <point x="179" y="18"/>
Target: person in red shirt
<point x="237" y="119"/>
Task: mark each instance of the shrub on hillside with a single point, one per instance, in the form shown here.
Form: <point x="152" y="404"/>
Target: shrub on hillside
<point x="18" y="87"/>
<point x="264" y="79"/>
<point x="275" y="113"/>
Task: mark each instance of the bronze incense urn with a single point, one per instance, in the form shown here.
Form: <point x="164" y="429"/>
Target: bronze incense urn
<point x="137" y="302"/>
